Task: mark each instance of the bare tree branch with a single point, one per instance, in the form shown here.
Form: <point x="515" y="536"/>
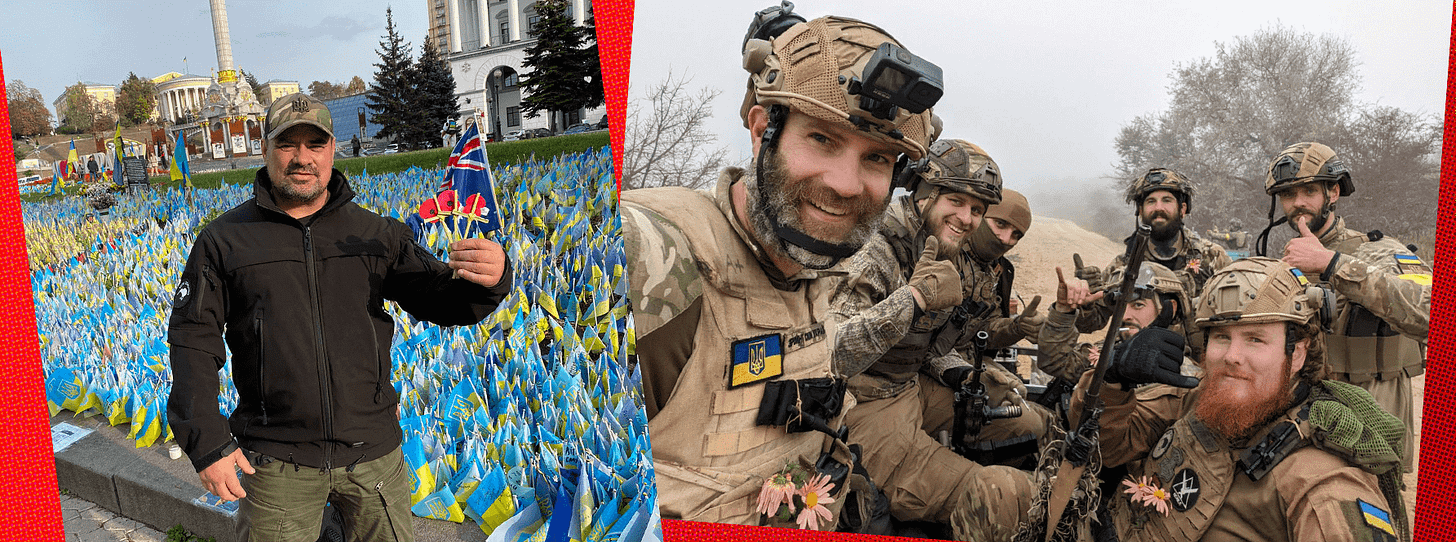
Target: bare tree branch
<point x="667" y="143"/>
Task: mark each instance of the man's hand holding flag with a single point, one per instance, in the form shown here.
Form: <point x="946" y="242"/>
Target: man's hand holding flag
<point x="468" y="176"/>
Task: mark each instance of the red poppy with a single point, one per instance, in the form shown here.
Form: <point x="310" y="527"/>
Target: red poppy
<point x="430" y="210"/>
<point x="474" y="205"/>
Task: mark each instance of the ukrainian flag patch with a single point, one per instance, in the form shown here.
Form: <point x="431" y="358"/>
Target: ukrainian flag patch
<point x="756" y="359"/>
<point x="1376" y="518"/>
<point x="1412" y="268"/>
<point x="1298" y="275"/>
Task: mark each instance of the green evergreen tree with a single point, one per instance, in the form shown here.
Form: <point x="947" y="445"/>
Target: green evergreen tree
<point x="390" y="96"/>
<point x="560" y="69"/>
<point x="434" y="95"/>
<point x="597" y="94"/>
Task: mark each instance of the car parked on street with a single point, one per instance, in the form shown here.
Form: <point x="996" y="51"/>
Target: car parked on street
<point x="534" y="133"/>
<point x="513" y="135"/>
<point x="579" y="129"/>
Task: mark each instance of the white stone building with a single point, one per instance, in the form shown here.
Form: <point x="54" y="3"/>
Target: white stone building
<point x="485" y="43"/>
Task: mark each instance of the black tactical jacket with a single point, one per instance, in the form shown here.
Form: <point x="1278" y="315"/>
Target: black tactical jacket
<point x="301" y="304"/>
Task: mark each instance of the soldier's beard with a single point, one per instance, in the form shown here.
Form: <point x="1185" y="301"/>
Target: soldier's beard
<point x="1168" y="231"/>
<point x="781" y="202"/>
<point x="1316" y="220"/>
<point x="1237" y="417"/>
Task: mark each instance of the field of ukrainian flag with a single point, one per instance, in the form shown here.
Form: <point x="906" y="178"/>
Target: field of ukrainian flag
<point x="529" y="424"/>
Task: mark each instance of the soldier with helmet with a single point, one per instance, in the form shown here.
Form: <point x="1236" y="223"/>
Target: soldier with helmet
<point x="911" y="295"/>
<point x="731" y="289"/>
<point x="1158" y="300"/>
<point x="1383" y="291"/>
<point x="1264" y="448"/>
<point x="1162" y="198"/>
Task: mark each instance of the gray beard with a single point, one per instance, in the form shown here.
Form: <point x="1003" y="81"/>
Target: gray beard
<point x="782" y="199"/>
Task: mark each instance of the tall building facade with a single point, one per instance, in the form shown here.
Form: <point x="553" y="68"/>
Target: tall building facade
<point x="485" y="42"/>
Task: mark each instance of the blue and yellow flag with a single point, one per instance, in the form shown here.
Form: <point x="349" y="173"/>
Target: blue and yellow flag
<point x="179" y="170"/>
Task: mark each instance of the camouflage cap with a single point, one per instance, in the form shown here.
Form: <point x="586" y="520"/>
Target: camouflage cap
<point x="294" y="109"/>
<point x="1255" y="291"/>
<point x="809" y="69"/>
<point x="1304" y="163"/>
<point x="1013" y="208"/>
<point x="1161" y="179"/>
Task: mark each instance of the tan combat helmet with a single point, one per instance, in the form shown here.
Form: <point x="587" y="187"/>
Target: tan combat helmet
<point x="819" y="67"/>
<point x="957" y="165"/>
<point x="1304" y="163"/>
<point x="1257" y="290"/>
<point x="1156" y="277"/>
<point x="1161" y="179"/>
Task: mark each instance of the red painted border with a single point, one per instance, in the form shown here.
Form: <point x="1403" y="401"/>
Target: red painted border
<point x="614" y="47"/>
<point x="30" y="506"/>
<point x="1436" y="489"/>
<point x="29" y="502"/>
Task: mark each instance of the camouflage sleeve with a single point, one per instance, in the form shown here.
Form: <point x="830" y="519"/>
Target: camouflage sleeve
<point x="1132" y="420"/>
<point x="1057" y="352"/>
<point x="1391" y="282"/>
<point x="937" y="367"/>
<point x="1094" y="316"/>
<point x="873" y="305"/>
<point x="1004" y="332"/>
<point x="660" y="266"/>
<point x="1326" y="498"/>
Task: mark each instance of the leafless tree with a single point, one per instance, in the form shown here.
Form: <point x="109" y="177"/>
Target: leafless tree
<point x="667" y="143"/>
<point x="1231" y="113"/>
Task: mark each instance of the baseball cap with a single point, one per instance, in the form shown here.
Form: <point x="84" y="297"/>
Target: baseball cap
<point x="298" y="108"/>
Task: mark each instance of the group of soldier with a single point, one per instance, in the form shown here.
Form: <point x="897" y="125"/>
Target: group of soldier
<point x="802" y="318"/>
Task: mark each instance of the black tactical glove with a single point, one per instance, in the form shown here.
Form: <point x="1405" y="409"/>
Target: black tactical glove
<point x="1152" y="355"/>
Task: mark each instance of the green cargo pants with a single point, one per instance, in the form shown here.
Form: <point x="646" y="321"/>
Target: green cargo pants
<point x="285" y="503"/>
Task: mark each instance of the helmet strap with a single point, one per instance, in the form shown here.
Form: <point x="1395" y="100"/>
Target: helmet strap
<point x="777" y="116"/>
<point x="1166" y="314"/>
<point x="1261" y="243"/>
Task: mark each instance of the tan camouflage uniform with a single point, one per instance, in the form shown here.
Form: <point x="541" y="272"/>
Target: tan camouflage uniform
<point x="700" y="284"/>
<point x="902" y="399"/>
<point x="1195" y="261"/>
<point x="1310" y="495"/>
<point x="1382" y="314"/>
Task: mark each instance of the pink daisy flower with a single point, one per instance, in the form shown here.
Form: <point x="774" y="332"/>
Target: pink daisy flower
<point x="815" y="495"/>
<point x="777" y="490"/>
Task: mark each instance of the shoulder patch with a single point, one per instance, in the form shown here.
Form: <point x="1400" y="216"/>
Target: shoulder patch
<point x="756" y="359"/>
<point x="1368" y="519"/>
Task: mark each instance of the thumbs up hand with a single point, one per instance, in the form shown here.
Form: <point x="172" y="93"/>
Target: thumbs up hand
<point x="936" y="282"/>
<point x="1306" y="252"/>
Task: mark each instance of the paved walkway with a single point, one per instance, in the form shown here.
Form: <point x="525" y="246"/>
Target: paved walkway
<point x="86" y="521"/>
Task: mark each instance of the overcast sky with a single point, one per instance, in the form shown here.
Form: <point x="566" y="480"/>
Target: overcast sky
<point x="1044" y="86"/>
<point x="52" y="45"/>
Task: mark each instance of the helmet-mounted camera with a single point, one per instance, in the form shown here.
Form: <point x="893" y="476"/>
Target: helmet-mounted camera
<point x="895" y="78"/>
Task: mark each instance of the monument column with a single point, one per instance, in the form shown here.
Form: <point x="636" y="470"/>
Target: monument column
<point x="514" y="16"/>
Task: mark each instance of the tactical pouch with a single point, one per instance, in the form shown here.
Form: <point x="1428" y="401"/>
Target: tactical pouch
<point x="802" y="405"/>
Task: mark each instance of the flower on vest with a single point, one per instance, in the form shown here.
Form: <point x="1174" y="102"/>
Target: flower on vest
<point x="1146" y="492"/>
<point x="815" y="495"/>
<point x="797" y="494"/>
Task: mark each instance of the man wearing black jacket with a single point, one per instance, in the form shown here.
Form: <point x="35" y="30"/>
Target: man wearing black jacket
<point x="294" y="282"/>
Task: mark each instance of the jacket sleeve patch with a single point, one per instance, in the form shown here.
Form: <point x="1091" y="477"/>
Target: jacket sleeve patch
<point x="1368" y="521"/>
